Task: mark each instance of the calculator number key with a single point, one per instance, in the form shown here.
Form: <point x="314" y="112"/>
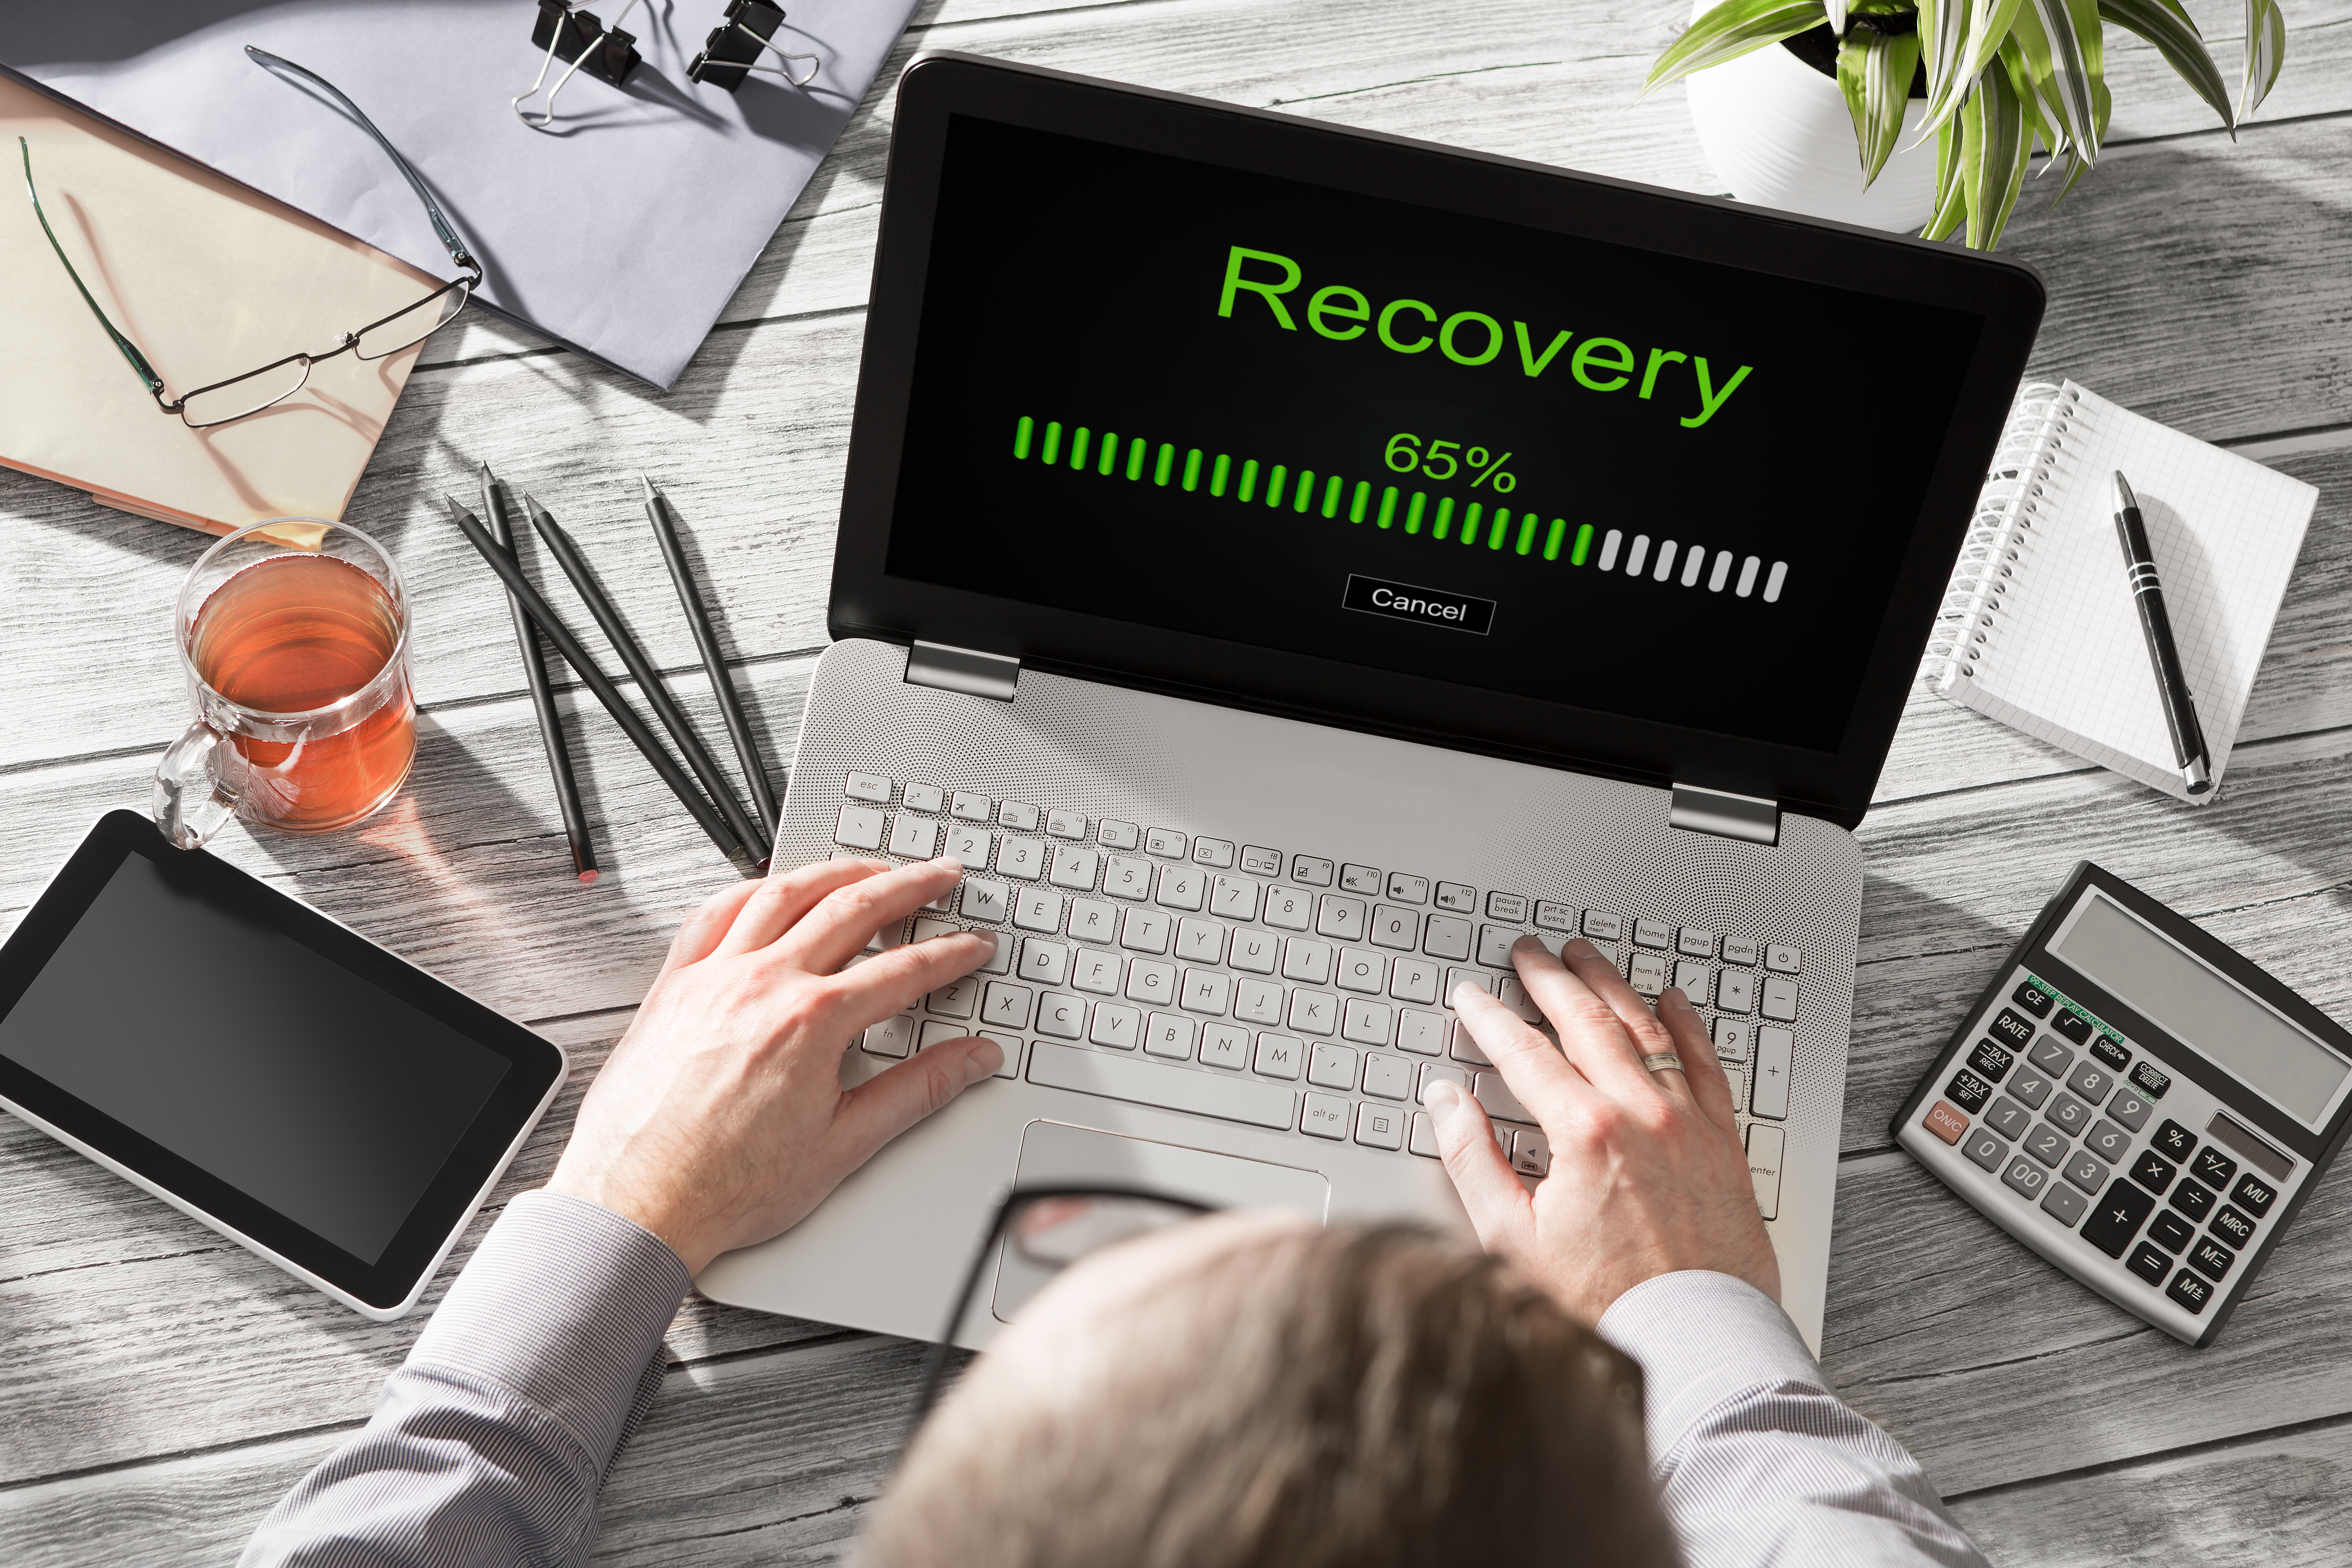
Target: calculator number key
<point x="2085" y="1171"/>
<point x="2254" y="1194"/>
<point x="2025" y="1176"/>
<point x="2052" y="1056"/>
<point x="2091" y="1082"/>
<point x="2068" y="1114"/>
<point x="2045" y="1145"/>
<point x="1985" y="1149"/>
<point x="2232" y="1226"/>
<point x="2129" y="1108"/>
<point x="2117" y="1219"/>
<point x="2213" y="1168"/>
<point x="2108" y="1140"/>
<point x="2008" y="1118"/>
<point x="2032" y="1086"/>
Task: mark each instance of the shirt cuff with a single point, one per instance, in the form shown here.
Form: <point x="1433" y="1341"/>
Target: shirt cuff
<point x="565" y="1305"/>
<point x="1702" y="1338"/>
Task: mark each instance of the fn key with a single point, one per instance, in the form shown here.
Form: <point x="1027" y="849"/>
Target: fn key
<point x="2117" y="1218"/>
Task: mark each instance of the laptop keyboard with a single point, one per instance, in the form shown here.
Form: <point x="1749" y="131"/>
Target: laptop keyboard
<point x="1268" y="986"/>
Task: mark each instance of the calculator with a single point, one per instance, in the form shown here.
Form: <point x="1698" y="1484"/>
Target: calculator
<point x="2139" y="1104"/>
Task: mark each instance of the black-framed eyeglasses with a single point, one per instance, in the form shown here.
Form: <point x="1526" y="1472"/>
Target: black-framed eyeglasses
<point x="1045" y="1230"/>
<point x="257" y="389"/>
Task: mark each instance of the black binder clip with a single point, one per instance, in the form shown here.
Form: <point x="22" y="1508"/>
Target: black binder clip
<point x="734" y="46"/>
<point x="608" y="54"/>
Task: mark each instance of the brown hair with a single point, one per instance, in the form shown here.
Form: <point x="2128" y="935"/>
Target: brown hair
<point x="1366" y="1396"/>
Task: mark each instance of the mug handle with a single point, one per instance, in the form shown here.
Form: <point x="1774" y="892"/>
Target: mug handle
<point x="198" y="785"/>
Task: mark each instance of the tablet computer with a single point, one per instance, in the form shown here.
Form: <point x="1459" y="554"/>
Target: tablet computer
<point x="260" y="1066"/>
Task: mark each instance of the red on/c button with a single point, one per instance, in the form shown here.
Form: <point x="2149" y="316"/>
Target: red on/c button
<point x="1945" y="1122"/>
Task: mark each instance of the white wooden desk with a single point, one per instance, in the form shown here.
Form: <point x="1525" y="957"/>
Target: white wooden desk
<point x="159" y="1389"/>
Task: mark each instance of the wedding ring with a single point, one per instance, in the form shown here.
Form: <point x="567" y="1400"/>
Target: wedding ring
<point x="1661" y="1061"/>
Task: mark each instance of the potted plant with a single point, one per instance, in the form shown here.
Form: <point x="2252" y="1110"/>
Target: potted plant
<point x="1991" y="79"/>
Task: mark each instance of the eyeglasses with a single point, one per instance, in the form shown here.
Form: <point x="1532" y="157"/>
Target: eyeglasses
<point x="1045" y="1230"/>
<point x="257" y="389"/>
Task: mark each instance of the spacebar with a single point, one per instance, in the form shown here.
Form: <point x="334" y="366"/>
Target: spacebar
<point x="1170" y="1089"/>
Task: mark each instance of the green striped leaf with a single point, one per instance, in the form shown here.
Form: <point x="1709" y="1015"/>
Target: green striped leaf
<point x="1874" y="71"/>
<point x="2265" y="52"/>
<point x="1835" y="10"/>
<point x="2064" y="72"/>
<point x="2164" y="25"/>
<point x="1994" y="152"/>
<point x="1952" y="193"/>
<point x="1943" y="44"/>
<point x="1732" y="29"/>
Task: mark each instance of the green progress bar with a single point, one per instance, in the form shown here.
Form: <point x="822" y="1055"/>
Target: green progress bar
<point x="1498" y="530"/>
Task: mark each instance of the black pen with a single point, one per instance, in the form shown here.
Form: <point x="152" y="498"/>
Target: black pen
<point x="543" y="699"/>
<point x="567" y="645"/>
<point x="681" y="728"/>
<point x="2171" y="684"/>
<point x="706" y="642"/>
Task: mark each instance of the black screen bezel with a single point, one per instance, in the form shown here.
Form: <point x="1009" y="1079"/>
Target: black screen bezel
<point x="535" y="1065"/>
<point x="868" y="602"/>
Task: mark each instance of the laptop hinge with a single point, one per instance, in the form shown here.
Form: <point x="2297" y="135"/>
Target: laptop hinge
<point x="1724" y="815"/>
<point x="964" y="669"/>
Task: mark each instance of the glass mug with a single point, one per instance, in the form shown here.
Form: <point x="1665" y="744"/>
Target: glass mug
<point x="293" y="639"/>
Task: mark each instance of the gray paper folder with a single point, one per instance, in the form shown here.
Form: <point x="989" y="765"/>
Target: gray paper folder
<point x="621" y="232"/>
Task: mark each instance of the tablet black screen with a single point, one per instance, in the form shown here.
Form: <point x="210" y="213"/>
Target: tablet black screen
<point x="251" y="1056"/>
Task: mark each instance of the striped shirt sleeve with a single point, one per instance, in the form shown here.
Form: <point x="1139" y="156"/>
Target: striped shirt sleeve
<point x="1758" y="1463"/>
<point x="491" y="1445"/>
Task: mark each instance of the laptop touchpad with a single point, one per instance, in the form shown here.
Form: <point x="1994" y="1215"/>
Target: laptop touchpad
<point x="1053" y="1153"/>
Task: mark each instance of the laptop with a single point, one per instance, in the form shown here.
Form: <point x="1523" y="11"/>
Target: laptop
<point x="1287" y="565"/>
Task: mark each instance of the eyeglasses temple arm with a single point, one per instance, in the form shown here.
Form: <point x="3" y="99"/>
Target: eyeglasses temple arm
<point x="449" y="239"/>
<point x="146" y="372"/>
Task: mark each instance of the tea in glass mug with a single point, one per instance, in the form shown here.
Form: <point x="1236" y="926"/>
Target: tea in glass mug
<point x="293" y="639"/>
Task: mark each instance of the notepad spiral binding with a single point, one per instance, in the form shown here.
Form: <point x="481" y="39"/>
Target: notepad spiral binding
<point x="2000" y="540"/>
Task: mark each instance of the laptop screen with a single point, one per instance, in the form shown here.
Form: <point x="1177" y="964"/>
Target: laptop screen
<point x="1302" y="418"/>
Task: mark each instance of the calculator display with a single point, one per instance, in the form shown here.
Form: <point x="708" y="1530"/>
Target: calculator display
<point x="2179" y="993"/>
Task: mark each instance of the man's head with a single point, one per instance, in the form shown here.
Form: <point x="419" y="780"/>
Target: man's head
<point x="1253" y="1390"/>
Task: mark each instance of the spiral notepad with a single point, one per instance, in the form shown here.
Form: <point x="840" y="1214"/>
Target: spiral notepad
<point x="2038" y="628"/>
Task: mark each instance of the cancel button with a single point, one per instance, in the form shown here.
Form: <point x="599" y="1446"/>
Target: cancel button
<point x="1429" y="606"/>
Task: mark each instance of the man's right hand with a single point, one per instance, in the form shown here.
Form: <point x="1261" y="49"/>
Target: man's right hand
<point x="1648" y="1176"/>
<point x="721" y="1120"/>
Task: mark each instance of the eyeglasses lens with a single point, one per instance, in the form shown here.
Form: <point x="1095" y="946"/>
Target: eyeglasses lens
<point x="412" y="325"/>
<point x="234" y="399"/>
<point x="1056" y="1232"/>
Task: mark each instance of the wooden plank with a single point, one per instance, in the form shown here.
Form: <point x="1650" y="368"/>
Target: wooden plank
<point x="2281" y="1499"/>
<point x="769" y="1459"/>
<point x="1993" y="1367"/>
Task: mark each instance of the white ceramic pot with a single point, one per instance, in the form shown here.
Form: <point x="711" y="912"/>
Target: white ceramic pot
<point x="1779" y="135"/>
